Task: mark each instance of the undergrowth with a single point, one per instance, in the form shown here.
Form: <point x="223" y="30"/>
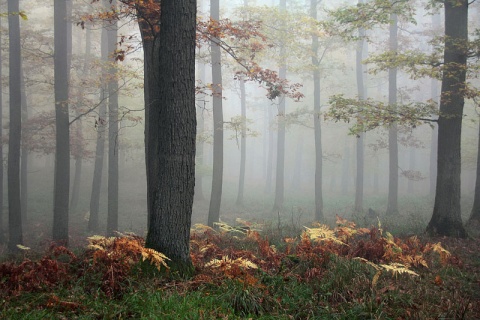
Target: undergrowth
<point x="345" y="272"/>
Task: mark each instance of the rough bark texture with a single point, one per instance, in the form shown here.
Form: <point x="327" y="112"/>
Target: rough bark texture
<point x="62" y="149"/>
<point x="317" y="120"/>
<point x="93" y="223"/>
<point x="280" y="170"/>
<point x="392" y="205"/>
<point x="171" y="135"/>
<point x="112" y="88"/>
<point x="2" y="235"/>
<point x="446" y="219"/>
<point x="217" y="174"/>
<point x="14" y="207"/>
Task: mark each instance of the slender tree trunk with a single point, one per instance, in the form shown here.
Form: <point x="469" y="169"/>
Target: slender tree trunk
<point x="24" y="153"/>
<point x="62" y="149"/>
<point x="475" y="213"/>
<point x="280" y="171"/>
<point x="217" y="176"/>
<point x="446" y="219"/>
<point x="14" y="204"/>
<point x="199" y="196"/>
<point x="360" y="167"/>
<point x="271" y="150"/>
<point x="346" y="167"/>
<point x="172" y="133"/>
<point x="243" y="143"/>
<point x="113" y="141"/>
<point x="93" y="222"/>
<point x="317" y="120"/>
<point x="392" y="205"/>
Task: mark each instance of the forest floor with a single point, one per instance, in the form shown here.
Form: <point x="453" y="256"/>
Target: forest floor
<point x="250" y="271"/>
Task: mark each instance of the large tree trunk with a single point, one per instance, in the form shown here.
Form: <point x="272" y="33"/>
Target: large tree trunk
<point x="392" y="205"/>
<point x="243" y="143"/>
<point x="217" y="175"/>
<point x="113" y="141"/>
<point x="62" y="149"/>
<point x="446" y="219"/>
<point x="359" y="181"/>
<point x="171" y="135"/>
<point x="280" y="170"/>
<point x="100" y="147"/>
<point x="14" y="206"/>
<point x="2" y="235"/>
<point x="475" y="214"/>
<point x="317" y="120"/>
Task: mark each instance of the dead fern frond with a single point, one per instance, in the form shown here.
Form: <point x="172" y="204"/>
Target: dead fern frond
<point x="398" y="268"/>
<point x="156" y="258"/>
<point x="323" y="233"/>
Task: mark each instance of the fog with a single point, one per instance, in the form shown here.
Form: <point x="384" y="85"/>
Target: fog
<point x="337" y="76"/>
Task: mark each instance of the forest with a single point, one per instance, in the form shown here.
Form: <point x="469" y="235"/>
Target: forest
<point x="254" y="159"/>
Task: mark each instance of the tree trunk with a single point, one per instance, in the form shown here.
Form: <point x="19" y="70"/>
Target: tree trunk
<point x="411" y="165"/>
<point x="346" y="167"/>
<point x="24" y="153"/>
<point x="392" y="205"/>
<point x="271" y="150"/>
<point x="100" y="148"/>
<point x="217" y="175"/>
<point x="243" y="143"/>
<point x="171" y="135"/>
<point x="2" y="235"/>
<point x="317" y="120"/>
<point x="199" y="196"/>
<point x="14" y="206"/>
<point x="113" y="141"/>
<point x="475" y="214"/>
<point x="446" y="219"/>
<point x="62" y="149"/>
<point x="360" y="167"/>
<point x="280" y="170"/>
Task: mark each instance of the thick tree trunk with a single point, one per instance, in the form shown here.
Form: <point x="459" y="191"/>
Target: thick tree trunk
<point x="217" y="175"/>
<point x="392" y="205"/>
<point x="113" y="141"/>
<point x="2" y="235"/>
<point x="280" y="170"/>
<point x="243" y="143"/>
<point x="93" y="222"/>
<point x="446" y="219"/>
<point x="62" y="149"/>
<point x="317" y="121"/>
<point x="172" y="133"/>
<point x="14" y="206"/>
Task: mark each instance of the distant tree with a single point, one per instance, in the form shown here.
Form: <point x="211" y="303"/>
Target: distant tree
<point x="62" y="148"/>
<point x="112" y="91"/>
<point x="217" y="175"/>
<point x="14" y="206"/>
<point x="475" y="213"/>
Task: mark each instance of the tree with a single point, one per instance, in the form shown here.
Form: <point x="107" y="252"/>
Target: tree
<point x="280" y="167"/>
<point x="112" y="91"/>
<point x="62" y="148"/>
<point x="243" y="143"/>
<point x="171" y="134"/>
<point x="217" y="175"/>
<point x="475" y="213"/>
<point x="14" y="206"/>
<point x="392" y="204"/>
<point x="316" y="120"/>
<point x="446" y="219"/>
<point x="2" y="236"/>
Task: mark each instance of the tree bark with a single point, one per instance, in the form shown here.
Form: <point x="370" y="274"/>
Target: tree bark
<point x="24" y="152"/>
<point x="62" y="138"/>
<point x="2" y="235"/>
<point x="446" y="219"/>
<point x="171" y="135"/>
<point x="392" y="205"/>
<point x="199" y="196"/>
<point x="475" y="213"/>
<point x="217" y="175"/>
<point x="14" y="204"/>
